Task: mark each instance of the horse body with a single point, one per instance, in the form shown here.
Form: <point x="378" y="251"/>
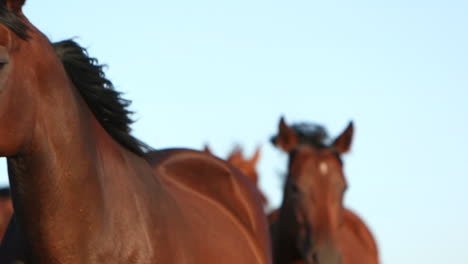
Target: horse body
<point x="81" y="197"/>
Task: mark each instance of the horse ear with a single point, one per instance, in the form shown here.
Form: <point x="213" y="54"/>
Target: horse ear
<point x="14" y="5"/>
<point x="236" y="154"/>
<point x="286" y="139"/>
<point x="207" y="150"/>
<point x="256" y="156"/>
<point x="342" y="143"/>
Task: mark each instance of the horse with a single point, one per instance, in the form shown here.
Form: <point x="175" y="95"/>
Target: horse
<point x="248" y="166"/>
<point x="85" y="190"/>
<point x="312" y="225"/>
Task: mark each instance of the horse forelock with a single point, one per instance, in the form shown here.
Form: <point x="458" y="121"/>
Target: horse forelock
<point x="13" y="22"/>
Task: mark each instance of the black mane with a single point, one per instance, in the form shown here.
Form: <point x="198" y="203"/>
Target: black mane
<point x="311" y="134"/>
<point x="11" y="20"/>
<point x="107" y="105"/>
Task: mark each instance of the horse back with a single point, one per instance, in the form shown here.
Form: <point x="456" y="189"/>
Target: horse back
<point x="218" y="181"/>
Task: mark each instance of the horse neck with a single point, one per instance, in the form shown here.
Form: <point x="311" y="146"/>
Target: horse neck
<point x="57" y="178"/>
<point x="284" y="232"/>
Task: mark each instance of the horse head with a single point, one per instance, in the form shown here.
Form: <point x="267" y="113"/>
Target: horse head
<point x="314" y="191"/>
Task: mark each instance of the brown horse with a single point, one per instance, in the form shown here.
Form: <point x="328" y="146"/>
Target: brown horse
<point x="312" y="225"/>
<point x="247" y="166"/>
<point x="85" y="191"/>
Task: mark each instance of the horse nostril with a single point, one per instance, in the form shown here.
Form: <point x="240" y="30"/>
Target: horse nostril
<point x="315" y="258"/>
<point x="294" y="189"/>
<point x="312" y="259"/>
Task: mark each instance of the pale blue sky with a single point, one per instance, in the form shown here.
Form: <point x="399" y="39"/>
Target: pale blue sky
<point x="222" y="72"/>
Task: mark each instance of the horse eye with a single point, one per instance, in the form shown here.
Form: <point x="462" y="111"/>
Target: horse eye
<point x="3" y="63"/>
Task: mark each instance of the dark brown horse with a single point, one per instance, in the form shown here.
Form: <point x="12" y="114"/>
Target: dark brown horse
<point x="312" y="225"/>
<point x="85" y="191"/>
<point x="248" y="166"/>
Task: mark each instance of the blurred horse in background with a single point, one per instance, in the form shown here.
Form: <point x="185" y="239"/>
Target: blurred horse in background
<point x="312" y="225"/>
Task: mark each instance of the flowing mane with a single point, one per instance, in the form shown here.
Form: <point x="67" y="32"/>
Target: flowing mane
<point x="107" y="105"/>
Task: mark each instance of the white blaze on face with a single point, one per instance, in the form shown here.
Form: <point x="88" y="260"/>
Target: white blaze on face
<point x="323" y="167"/>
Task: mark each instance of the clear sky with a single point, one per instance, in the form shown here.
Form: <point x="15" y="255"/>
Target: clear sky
<point x="223" y="72"/>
